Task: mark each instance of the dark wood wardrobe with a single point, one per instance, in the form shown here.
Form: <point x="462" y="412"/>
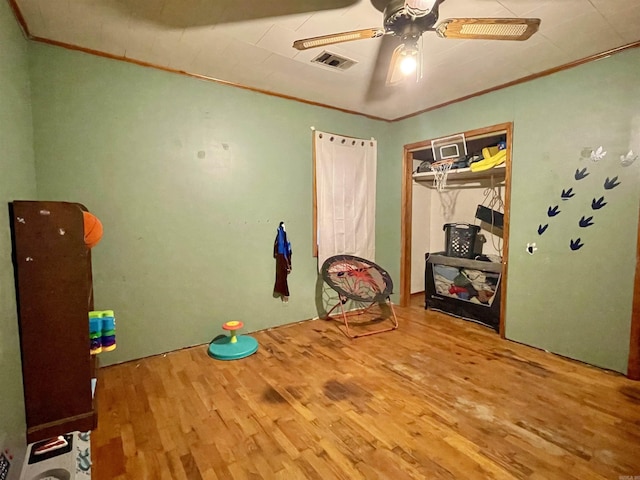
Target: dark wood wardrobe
<point x="54" y="295"/>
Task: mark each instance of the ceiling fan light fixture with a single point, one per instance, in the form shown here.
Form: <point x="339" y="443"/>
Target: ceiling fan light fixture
<point x="405" y="63"/>
<point x="408" y="64"/>
<point x="419" y="8"/>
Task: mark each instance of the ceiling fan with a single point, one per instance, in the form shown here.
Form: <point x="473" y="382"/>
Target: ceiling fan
<point x="404" y="22"/>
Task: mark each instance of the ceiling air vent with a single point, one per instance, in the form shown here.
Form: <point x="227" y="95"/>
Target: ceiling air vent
<point x="334" y="61"/>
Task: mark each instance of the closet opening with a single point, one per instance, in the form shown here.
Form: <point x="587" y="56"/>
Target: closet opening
<point x="440" y="218"/>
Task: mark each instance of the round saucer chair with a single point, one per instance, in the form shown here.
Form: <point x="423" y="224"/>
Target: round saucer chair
<point x="362" y="282"/>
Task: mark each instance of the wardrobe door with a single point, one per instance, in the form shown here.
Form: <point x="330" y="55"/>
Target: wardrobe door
<point x="53" y="287"/>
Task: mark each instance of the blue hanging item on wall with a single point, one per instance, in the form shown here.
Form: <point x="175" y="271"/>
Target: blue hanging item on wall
<point x="282" y="254"/>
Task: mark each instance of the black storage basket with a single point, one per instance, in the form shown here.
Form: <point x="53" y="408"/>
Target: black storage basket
<point x="460" y="239"/>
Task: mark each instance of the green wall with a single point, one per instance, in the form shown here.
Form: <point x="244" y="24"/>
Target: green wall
<point x="190" y="179"/>
<point x="575" y="303"/>
<point x="17" y="181"/>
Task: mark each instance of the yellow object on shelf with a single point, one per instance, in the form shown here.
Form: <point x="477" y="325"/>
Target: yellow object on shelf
<point x="490" y="151"/>
<point x="492" y="158"/>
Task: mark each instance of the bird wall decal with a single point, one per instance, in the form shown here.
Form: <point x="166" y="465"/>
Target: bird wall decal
<point x="580" y="174"/>
<point x="609" y="184"/>
<point x="575" y="244"/>
<point x="567" y="194"/>
<point x="585" y="222"/>
<point x="553" y="211"/>
<point x="598" y="204"/>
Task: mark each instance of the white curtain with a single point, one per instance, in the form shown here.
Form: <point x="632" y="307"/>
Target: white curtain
<point x="345" y="195"/>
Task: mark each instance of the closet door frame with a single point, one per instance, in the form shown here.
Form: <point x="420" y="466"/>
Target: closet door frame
<point x="407" y="206"/>
<point x="633" y="367"/>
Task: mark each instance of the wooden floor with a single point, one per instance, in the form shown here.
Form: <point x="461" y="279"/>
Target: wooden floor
<point x="440" y="398"/>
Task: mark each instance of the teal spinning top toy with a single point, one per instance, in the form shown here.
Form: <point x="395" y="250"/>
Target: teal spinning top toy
<point x="233" y="346"/>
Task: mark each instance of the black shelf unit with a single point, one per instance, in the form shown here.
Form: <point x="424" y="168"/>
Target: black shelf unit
<point x="485" y="314"/>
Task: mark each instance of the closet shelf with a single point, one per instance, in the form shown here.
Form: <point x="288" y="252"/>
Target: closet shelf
<point x="463" y="175"/>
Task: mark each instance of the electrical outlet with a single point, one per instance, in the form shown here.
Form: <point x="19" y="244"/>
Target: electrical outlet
<point x="4" y="467"/>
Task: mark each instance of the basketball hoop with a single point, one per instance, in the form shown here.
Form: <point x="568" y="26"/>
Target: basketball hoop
<point x="440" y="171"/>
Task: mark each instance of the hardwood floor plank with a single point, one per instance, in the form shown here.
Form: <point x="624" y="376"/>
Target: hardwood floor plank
<point x="439" y="398"/>
<point x="113" y="451"/>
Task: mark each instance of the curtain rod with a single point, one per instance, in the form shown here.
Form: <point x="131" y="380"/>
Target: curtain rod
<point x="313" y="129"/>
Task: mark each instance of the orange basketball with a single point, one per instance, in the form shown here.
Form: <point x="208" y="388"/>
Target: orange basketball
<point x="92" y="229"/>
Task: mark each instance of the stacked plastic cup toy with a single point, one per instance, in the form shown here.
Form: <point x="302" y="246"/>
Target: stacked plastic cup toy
<point x="95" y="332"/>
<point x="108" y="331"/>
<point x="102" y="331"/>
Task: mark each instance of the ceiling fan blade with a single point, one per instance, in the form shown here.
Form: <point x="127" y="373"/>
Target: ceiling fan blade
<point x="200" y="13"/>
<point x="323" y="40"/>
<point x="488" y="28"/>
<point x="378" y="88"/>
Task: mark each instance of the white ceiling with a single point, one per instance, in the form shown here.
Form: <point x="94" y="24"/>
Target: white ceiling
<point x="249" y="42"/>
